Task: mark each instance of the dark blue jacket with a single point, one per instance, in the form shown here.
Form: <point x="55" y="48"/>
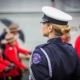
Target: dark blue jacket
<point x="64" y="61"/>
<point x="2" y="37"/>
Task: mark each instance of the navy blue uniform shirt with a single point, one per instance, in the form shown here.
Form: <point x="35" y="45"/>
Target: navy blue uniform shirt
<point x="64" y="61"/>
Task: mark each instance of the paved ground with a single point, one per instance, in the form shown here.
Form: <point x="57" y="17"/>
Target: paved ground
<point x="26" y="75"/>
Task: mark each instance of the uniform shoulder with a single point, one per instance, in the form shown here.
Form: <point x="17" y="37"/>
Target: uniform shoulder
<point x="43" y="45"/>
<point x="69" y="44"/>
<point x="37" y="49"/>
<point x="38" y="56"/>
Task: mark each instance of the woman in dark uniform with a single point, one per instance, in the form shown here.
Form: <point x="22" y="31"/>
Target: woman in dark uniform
<point x="54" y="60"/>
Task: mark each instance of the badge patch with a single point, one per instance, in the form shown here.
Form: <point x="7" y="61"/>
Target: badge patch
<point x="36" y="58"/>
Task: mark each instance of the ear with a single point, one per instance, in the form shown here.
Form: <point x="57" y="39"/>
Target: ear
<point x="50" y="28"/>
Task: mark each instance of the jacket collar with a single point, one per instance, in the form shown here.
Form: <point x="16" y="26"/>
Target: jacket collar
<point x="55" y="40"/>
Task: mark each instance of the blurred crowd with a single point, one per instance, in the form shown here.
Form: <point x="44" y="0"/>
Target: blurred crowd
<point x="11" y="67"/>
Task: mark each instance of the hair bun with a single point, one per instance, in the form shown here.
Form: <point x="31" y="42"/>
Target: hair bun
<point x="65" y="29"/>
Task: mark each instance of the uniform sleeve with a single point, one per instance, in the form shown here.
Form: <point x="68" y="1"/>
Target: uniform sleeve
<point x="13" y="58"/>
<point x="2" y="67"/>
<point x="4" y="62"/>
<point x="22" y="50"/>
<point x="39" y="66"/>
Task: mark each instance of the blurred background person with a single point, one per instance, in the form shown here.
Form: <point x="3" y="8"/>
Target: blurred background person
<point x="53" y="3"/>
<point x="11" y="54"/>
<point x="66" y="37"/>
<point x="77" y="45"/>
<point x="14" y="30"/>
<point x="3" y="34"/>
<point x="4" y="69"/>
<point x="2" y="40"/>
<point x="5" y="66"/>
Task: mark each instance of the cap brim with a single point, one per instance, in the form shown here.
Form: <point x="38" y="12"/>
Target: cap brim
<point x="44" y="20"/>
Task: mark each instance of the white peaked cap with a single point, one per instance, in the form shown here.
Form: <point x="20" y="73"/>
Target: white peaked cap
<point x="55" y="16"/>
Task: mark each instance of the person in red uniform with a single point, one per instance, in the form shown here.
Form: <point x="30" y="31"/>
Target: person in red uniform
<point x="5" y="66"/>
<point x="66" y="37"/>
<point x="3" y="69"/>
<point x="14" y="30"/>
<point x="11" y="54"/>
<point x="77" y="45"/>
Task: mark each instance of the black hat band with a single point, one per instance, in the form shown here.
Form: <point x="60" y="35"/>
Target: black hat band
<point x="51" y="20"/>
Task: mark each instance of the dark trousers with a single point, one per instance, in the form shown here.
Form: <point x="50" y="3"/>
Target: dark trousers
<point x="1" y="79"/>
<point x="14" y="78"/>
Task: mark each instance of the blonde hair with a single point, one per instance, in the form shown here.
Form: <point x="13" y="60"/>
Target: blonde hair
<point x="60" y="29"/>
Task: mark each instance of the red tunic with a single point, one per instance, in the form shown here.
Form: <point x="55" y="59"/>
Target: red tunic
<point x="16" y="43"/>
<point x="20" y="49"/>
<point x="2" y="68"/>
<point x="4" y="62"/>
<point x="3" y="65"/>
<point x="11" y="54"/>
<point x="77" y="45"/>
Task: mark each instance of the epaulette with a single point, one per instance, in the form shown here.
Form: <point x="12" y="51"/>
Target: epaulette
<point x="45" y="44"/>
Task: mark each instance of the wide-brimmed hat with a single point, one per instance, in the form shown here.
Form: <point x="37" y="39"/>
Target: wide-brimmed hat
<point x="13" y="28"/>
<point x="9" y="38"/>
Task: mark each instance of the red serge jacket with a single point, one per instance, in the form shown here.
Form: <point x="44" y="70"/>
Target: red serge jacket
<point x="77" y="45"/>
<point x="3" y="62"/>
<point x="2" y="67"/>
<point x="20" y="49"/>
<point x="11" y="54"/>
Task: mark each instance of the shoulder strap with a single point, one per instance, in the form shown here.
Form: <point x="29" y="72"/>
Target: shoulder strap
<point x="49" y="62"/>
<point x="31" y="76"/>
